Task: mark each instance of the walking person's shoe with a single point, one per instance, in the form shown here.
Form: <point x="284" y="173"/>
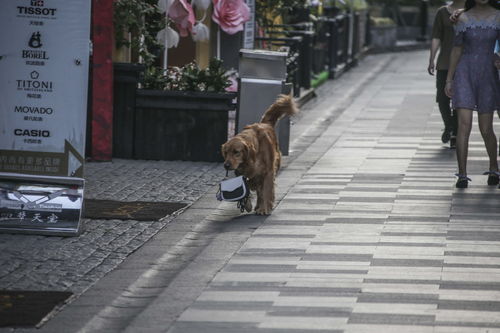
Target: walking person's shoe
<point x="453" y="142"/>
<point x="493" y="177"/>
<point x="445" y="137"/>
<point x="462" y="181"/>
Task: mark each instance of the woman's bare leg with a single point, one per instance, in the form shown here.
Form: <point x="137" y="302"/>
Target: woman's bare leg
<point x="463" y="134"/>
<point x="489" y="138"/>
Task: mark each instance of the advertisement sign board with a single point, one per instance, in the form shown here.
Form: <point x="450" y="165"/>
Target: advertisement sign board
<point x="42" y="205"/>
<point x="44" y="65"/>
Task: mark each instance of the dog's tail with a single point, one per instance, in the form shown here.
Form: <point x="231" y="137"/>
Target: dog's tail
<point x="284" y="105"/>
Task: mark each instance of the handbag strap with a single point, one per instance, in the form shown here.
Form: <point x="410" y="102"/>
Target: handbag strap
<point x="242" y="203"/>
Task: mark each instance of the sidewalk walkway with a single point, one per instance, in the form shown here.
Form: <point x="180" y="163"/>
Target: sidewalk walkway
<point x="370" y="234"/>
<point x="373" y="237"/>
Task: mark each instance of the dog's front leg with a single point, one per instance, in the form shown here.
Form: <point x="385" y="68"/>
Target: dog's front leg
<point x="265" y="196"/>
<point x="259" y="205"/>
<point x="248" y="203"/>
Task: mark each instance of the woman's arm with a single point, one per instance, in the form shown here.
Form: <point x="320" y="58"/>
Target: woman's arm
<point x="437" y="36"/>
<point x="435" y="45"/>
<point x="456" y="53"/>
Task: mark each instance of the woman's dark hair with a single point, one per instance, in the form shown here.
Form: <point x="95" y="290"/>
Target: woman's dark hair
<point x="471" y="3"/>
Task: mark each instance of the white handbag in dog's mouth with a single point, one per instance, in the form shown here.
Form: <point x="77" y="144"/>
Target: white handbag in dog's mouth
<point x="233" y="189"/>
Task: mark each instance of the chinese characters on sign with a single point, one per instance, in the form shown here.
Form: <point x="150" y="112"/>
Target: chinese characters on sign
<point x="22" y="216"/>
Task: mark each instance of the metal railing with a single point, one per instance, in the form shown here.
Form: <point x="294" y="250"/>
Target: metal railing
<point x="321" y="49"/>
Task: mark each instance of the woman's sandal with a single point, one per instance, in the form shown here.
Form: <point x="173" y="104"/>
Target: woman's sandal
<point x="462" y="181"/>
<point x="493" y="177"/>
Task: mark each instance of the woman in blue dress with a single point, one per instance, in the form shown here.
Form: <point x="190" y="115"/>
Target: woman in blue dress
<point x="473" y="83"/>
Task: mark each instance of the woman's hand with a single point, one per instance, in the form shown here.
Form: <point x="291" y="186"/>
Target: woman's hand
<point x="447" y="89"/>
<point x="430" y="68"/>
<point x="456" y="14"/>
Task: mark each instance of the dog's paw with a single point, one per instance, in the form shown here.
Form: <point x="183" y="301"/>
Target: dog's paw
<point x="262" y="211"/>
<point x="248" y="205"/>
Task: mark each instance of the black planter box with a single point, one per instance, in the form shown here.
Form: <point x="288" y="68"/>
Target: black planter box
<point x="179" y="125"/>
<point x="126" y="78"/>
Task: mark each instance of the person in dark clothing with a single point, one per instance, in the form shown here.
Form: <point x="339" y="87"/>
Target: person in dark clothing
<point x="442" y="40"/>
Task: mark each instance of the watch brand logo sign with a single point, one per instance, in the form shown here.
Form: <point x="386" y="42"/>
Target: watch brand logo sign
<point x="32" y="133"/>
<point x="34" y="84"/>
<point x="36" y="8"/>
<point x="33" y="109"/>
<point x="35" y="42"/>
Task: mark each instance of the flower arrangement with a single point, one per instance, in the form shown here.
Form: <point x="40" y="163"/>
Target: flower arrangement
<point x="148" y="25"/>
<point x="190" y="77"/>
<point x="230" y="15"/>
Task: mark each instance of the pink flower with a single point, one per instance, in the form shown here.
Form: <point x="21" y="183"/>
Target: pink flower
<point x="230" y="15"/>
<point x="182" y="14"/>
<point x="234" y="84"/>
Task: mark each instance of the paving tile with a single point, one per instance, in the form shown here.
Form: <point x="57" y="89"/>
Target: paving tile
<point x="312" y="301"/>
<point x="469" y="305"/>
<point x="305" y="311"/>
<point x="238" y="296"/>
<point x="210" y="327"/>
<point x="297" y="322"/>
<point x="464" y="329"/>
<point x="232" y="306"/>
<point x="391" y="319"/>
<point x="468" y="318"/>
<point x="377" y="328"/>
<point x="222" y="316"/>
<point x="407" y="262"/>
<point x="416" y="298"/>
<point x="395" y="309"/>
<point x="399" y="288"/>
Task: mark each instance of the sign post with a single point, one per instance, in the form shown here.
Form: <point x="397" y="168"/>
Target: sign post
<point x="44" y="63"/>
<point x="249" y="28"/>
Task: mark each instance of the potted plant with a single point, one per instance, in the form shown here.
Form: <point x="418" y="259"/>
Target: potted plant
<point x="178" y="112"/>
<point x="182" y="113"/>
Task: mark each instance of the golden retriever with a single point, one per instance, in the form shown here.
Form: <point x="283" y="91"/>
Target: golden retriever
<point x="254" y="153"/>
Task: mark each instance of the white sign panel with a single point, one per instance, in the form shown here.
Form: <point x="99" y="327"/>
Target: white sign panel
<point x="43" y="85"/>
<point x="44" y="66"/>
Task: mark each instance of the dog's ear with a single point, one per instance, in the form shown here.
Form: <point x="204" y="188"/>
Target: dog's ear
<point x="250" y="152"/>
<point x="223" y="150"/>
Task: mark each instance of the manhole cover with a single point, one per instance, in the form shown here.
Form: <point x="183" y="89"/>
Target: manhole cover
<point x="28" y="308"/>
<point x="136" y="210"/>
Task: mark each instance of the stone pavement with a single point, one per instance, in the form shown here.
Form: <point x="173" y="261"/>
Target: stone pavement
<point x="31" y="262"/>
<point x="370" y="234"/>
